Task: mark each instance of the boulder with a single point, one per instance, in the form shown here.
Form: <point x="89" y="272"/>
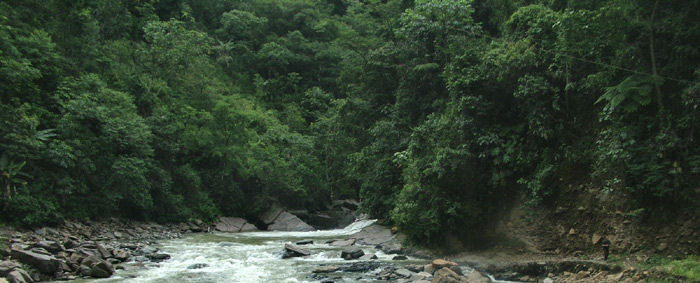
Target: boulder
<point x="230" y="224"/>
<point x="197" y="266"/>
<point x="374" y="234"/>
<point x="326" y="269"/>
<point x="158" y="257"/>
<point x="43" y="263"/>
<point x="440" y="263"/>
<point x="50" y="246"/>
<point x="429" y="268"/>
<point x="305" y="242"/>
<point x="596" y="238"/>
<point x="98" y="268"/>
<point x="121" y="255"/>
<point x="477" y="277"/>
<point x="249" y="228"/>
<point x="291" y="250"/>
<point x="288" y="222"/>
<point x="399" y="257"/>
<point x="446" y="275"/>
<point x="7" y="266"/>
<point x="271" y="215"/>
<point x="404" y="273"/>
<point x="102" y="251"/>
<point x="351" y="253"/>
<point x="343" y="243"/>
<point x="368" y="257"/>
<point x="19" y="276"/>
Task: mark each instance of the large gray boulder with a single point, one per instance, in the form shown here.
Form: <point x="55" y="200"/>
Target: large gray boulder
<point x="98" y="267"/>
<point x="43" y="263"/>
<point x="271" y="215"/>
<point x="230" y="224"/>
<point x="6" y="267"/>
<point x="19" y="276"/>
<point x="249" y="228"/>
<point x="291" y="250"/>
<point x="288" y="222"/>
<point x="352" y="253"/>
<point x="374" y="234"/>
<point x="50" y="246"/>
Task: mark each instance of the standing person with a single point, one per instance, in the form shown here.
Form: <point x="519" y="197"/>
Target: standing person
<point x="605" y="243"/>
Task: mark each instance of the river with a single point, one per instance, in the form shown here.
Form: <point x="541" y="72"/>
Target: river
<point x="250" y="257"/>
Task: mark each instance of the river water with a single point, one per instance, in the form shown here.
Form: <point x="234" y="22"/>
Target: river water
<point x="249" y="257"/>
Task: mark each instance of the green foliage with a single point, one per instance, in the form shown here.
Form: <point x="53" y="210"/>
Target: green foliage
<point x="688" y="267"/>
<point x="436" y="114"/>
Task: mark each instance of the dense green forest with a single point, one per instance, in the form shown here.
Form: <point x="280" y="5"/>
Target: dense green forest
<point x="436" y="114"/>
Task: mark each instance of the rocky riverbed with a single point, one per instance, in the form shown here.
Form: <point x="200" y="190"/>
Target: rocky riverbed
<point x="234" y="250"/>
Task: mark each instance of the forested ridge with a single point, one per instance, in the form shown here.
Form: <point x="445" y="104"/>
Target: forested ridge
<point x="436" y="114"/>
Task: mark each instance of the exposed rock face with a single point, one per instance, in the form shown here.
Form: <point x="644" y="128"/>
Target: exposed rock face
<point x="44" y="263"/>
<point x="291" y="250"/>
<point x="271" y="215"/>
<point x="374" y="234"/>
<point x="288" y="222"/>
<point x="351" y="253"/>
<point x="230" y="224"/>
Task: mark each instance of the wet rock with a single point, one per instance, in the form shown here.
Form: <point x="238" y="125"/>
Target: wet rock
<point x="158" y="257"/>
<point x="294" y="251"/>
<point x="548" y="280"/>
<point x="305" y="242"/>
<point x="477" y="277"/>
<point x="351" y="253"/>
<point x="326" y="269"/>
<point x="230" y="224"/>
<point x="343" y="243"/>
<point x="198" y="266"/>
<point x="364" y="266"/>
<point x="391" y="248"/>
<point x="399" y="257"/>
<point x="44" y="263"/>
<point x="289" y="222"/>
<point x="405" y="273"/>
<point x="368" y="257"/>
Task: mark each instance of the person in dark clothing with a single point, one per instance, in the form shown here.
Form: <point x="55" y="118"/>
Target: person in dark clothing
<point x="605" y="243"/>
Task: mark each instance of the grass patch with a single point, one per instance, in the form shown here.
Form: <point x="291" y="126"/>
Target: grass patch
<point x="688" y="267"/>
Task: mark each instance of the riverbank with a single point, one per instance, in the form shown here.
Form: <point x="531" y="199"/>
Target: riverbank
<point x="83" y="249"/>
<point x="89" y="249"/>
